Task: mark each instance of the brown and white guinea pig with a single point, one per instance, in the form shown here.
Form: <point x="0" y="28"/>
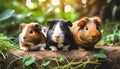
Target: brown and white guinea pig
<point x="59" y="36"/>
<point x="31" y="37"/>
<point x="86" y="32"/>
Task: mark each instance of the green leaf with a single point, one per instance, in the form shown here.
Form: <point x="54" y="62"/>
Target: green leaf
<point x="62" y="59"/>
<point x="6" y="14"/>
<point x="24" y="58"/>
<point x="28" y="60"/>
<point x="101" y="54"/>
<point x="46" y="63"/>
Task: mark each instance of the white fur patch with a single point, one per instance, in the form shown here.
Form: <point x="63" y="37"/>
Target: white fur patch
<point x="24" y="33"/>
<point x="92" y="23"/>
<point x="53" y="48"/>
<point x="58" y="32"/>
<point x="44" y="30"/>
<point x="42" y="46"/>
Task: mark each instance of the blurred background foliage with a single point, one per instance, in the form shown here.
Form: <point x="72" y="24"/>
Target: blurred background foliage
<point x="14" y="12"/>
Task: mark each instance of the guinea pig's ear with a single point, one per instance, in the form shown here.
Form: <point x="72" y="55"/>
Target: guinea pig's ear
<point x="97" y="20"/>
<point x="22" y="25"/>
<point x="48" y="23"/>
<point x="68" y="23"/>
<point x="82" y="22"/>
<point x="37" y="27"/>
<point x="51" y="22"/>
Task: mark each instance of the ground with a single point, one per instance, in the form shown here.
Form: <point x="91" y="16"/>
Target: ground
<point x="111" y="62"/>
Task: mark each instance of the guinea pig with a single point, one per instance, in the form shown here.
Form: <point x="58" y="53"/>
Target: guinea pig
<point x="31" y="37"/>
<point x="44" y="30"/>
<point x="59" y="36"/>
<point x="86" y="32"/>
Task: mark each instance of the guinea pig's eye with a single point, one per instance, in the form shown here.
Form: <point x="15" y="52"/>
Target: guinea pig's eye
<point x="97" y="28"/>
<point x="79" y="29"/>
<point x="62" y="29"/>
<point x="86" y="28"/>
<point x="31" y="32"/>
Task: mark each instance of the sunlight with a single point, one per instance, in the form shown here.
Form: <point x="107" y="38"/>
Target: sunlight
<point x="68" y="8"/>
<point x="84" y="1"/>
<point x="55" y="2"/>
<point x="42" y="0"/>
<point x="29" y="4"/>
<point x="57" y="10"/>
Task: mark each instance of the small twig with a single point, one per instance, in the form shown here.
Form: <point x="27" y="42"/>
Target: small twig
<point x="76" y="63"/>
<point x="12" y="62"/>
<point x="3" y="54"/>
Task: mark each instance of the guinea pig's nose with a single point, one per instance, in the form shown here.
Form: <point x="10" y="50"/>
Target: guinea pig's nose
<point x="57" y="36"/>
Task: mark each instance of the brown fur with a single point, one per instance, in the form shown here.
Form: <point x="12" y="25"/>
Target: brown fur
<point x="33" y="36"/>
<point x="85" y="32"/>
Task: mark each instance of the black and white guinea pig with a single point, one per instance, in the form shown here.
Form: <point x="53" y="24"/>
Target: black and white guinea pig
<point x="31" y="37"/>
<point x="59" y="36"/>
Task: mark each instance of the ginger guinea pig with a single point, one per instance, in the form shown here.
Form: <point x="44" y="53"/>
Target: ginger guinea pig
<point x="86" y="32"/>
<point x="59" y="36"/>
<point x="31" y="37"/>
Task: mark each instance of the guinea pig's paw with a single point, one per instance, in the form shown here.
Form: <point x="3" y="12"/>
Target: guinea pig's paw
<point x="65" y="48"/>
<point x="53" y="48"/>
<point x="81" y="49"/>
<point x="42" y="49"/>
<point x="25" y="49"/>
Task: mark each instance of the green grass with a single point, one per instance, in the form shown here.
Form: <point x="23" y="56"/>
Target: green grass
<point x="5" y="44"/>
